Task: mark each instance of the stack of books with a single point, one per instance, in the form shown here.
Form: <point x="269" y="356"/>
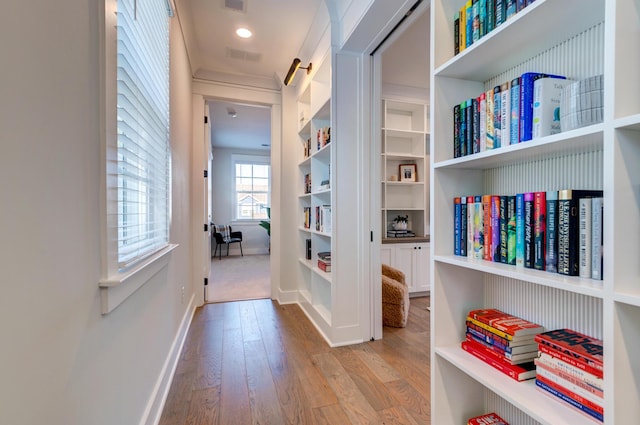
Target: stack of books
<point x="570" y="367"/>
<point x="487" y="419"/>
<point x="324" y="261"/>
<point x="400" y="234"/>
<point x="503" y="341"/>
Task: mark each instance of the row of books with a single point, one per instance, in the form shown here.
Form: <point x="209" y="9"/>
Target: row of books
<point x="478" y="18"/>
<point x="557" y="231"/>
<point x="570" y="368"/>
<point x="323" y="218"/>
<point x="487" y="419"/>
<point x="307" y="183"/>
<point x="306" y="148"/>
<point x="324" y="261"/>
<point x="323" y="137"/>
<point x="513" y="112"/>
<point x="565" y="363"/>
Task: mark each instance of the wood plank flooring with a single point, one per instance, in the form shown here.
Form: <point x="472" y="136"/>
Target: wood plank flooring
<point x="258" y="362"/>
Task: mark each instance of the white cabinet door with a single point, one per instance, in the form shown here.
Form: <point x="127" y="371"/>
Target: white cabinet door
<point x="421" y="275"/>
<point x="413" y="260"/>
<point x="387" y="255"/>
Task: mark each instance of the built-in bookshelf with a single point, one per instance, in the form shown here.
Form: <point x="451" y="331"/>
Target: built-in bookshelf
<point x="315" y="197"/>
<point x="404" y="186"/>
<point x="577" y="39"/>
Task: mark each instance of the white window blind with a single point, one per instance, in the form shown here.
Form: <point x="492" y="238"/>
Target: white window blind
<point x="143" y="151"/>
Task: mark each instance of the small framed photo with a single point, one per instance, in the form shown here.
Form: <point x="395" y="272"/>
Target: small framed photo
<point x="408" y="173"/>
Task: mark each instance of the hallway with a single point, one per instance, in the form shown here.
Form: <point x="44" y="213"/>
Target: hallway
<point x="259" y="362"/>
<point x="238" y="277"/>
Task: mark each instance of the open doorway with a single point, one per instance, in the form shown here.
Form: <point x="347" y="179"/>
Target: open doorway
<point x="239" y="200"/>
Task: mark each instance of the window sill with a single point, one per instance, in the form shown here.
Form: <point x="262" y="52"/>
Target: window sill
<point x="115" y="289"/>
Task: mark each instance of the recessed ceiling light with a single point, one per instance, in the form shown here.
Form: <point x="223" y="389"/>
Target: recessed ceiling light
<point x="243" y="33"/>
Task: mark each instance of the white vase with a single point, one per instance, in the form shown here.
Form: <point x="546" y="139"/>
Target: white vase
<point x="400" y="225"/>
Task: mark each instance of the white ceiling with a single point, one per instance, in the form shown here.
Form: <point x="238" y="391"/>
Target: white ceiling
<point x="280" y="31"/>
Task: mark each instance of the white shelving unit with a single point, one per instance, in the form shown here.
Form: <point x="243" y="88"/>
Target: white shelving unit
<point x="578" y="39"/>
<point x="314" y="109"/>
<point x="404" y="141"/>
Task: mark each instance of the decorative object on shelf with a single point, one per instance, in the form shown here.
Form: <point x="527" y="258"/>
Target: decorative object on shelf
<point x="408" y="172"/>
<point x="393" y="178"/>
<point x="400" y="222"/>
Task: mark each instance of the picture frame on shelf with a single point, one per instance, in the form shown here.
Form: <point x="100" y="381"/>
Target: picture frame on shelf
<point x="408" y="172"/>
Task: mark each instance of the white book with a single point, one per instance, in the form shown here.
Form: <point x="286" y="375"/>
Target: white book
<point x="596" y="238"/>
<point x="547" y="93"/>
<point x="584" y="221"/>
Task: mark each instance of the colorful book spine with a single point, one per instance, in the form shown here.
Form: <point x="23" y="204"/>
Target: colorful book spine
<point x="520" y="4"/>
<point x="520" y="230"/>
<point x="462" y="142"/>
<point x="514" y="131"/>
<point x="491" y="329"/>
<point x="505" y="113"/>
<point x="551" y="235"/>
<point x="490" y="111"/>
<point x="539" y="229"/>
<point x="510" y="9"/>
<point x="500" y="12"/>
<point x="596" y="238"/>
<point x="513" y="325"/>
<point x="569" y="382"/>
<point x="519" y="372"/>
<point x="495" y="228"/>
<point x="475" y="103"/>
<point x="503" y="344"/>
<point x="475" y="23"/>
<point x="456" y="33"/>
<point x="504" y="237"/>
<point x="456" y="131"/>
<point x="486" y="210"/>
<point x="528" y="230"/>
<point x="471" y="211"/>
<point x="478" y="237"/>
<point x="510" y="357"/>
<point x="511" y="230"/>
<point x="482" y="13"/>
<point x="491" y="15"/>
<point x="569" y="360"/>
<point x="469" y="40"/>
<point x="462" y="41"/>
<point x="571" y="372"/>
<point x="470" y="126"/>
<point x="547" y="93"/>
<point x="463" y="226"/>
<point x="497" y="117"/>
<point x="584" y="222"/>
<point x="456" y="225"/>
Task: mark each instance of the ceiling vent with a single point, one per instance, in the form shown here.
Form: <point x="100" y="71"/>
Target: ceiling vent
<point x="243" y="55"/>
<point x="236" y="5"/>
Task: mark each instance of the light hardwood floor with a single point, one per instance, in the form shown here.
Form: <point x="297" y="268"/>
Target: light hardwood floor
<point x="258" y="362"/>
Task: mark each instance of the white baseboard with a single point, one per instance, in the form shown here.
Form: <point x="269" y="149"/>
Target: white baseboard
<point x="154" y="408"/>
<point x="287" y="297"/>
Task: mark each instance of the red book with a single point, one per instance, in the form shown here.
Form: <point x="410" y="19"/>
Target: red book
<point x="541" y="367"/>
<point x="487" y="419"/>
<point x="508" y="357"/>
<point x="486" y="209"/>
<point x="519" y="372"/>
<point x="580" y="347"/>
<point x="570" y="360"/>
<point x="582" y="400"/>
<point x="505" y="322"/>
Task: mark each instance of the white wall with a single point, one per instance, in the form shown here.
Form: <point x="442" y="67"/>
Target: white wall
<point x="254" y="238"/>
<point x="61" y="361"/>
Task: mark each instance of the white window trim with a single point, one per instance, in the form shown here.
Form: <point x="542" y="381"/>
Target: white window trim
<point x="254" y="159"/>
<point x="116" y="285"/>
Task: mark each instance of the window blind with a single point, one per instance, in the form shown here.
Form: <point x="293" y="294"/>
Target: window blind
<point x="143" y="152"/>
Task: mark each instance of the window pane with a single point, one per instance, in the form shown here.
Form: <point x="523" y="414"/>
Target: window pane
<point x="252" y="191"/>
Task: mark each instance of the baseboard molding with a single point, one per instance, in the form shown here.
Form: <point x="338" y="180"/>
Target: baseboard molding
<point x="246" y="251"/>
<point x="154" y="408"/>
<point x="287" y="297"/>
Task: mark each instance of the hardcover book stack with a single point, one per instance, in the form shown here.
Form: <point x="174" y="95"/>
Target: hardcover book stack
<point x="556" y="231"/>
<point x="487" y="419"/>
<point x="324" y="261"/>
<point x="477" y="18"/>
<point x="513" y="112"/>
<point x="400" y="233"/>
<point x="503" y="341"/>
<point x="570" y="367"/>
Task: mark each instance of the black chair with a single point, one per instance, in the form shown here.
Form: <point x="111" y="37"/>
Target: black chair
<point x="224" y="235"/>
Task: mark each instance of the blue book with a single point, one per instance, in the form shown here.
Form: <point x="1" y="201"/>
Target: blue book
<point x="475" y="24"/>
<point x="514" y="134"/>
<point x="456" y="131"/>
<point x="470" y="126"/>
<point x="469" y="39"/>
<point x="564" y="397"/>
<point x="482" y="8"/>
<point x="511" y="230"/>
<point x="551" y="255"/>
<point x="526" y="102"/>
<point x="510" y="9"/>
<point x="478" y="229"/>
<point x="490" y="15"/>
<point x="456" y="226"/>
<point x="497" y="117"/>
<point x="520" y="230"/>
<point x="520" y="4"/>
<point x="463" y="128"/>
<point x="501" y="12"/>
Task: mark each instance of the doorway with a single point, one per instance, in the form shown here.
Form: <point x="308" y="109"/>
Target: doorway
<point x="239" y="197"/>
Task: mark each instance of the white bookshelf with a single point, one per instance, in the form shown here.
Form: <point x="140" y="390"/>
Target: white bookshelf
<point x="578" y="39"/>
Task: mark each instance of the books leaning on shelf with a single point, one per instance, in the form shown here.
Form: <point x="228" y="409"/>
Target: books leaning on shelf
<point x="570" y="367"/>
<point x="487" y="419"/>
<point x="556" y="231"/>
<point x="306" y="211"/>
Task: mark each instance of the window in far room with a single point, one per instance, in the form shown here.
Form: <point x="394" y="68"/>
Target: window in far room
<point x="251" y="188"/>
